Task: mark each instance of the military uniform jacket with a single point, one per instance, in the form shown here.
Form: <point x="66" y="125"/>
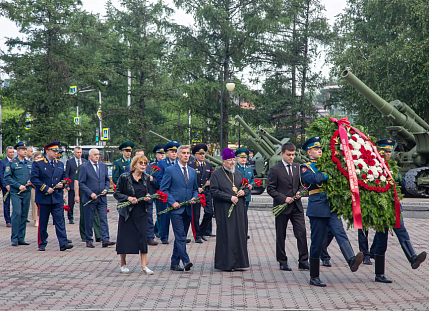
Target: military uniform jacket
<point x="163" y="164"/>
<point x="318" y="203"/>
<point x="247" y="173"/>
<point x="204" y="172"/>
<point x="45" y="176"/>
<point x="119" y="168"/>
<point x="17" y="174"/>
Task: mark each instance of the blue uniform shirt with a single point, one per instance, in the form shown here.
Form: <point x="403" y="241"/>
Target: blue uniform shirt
<point x="44" y="175"/>
<point x="17" y="174"/>
<point x="247" y="173"/>
<point x="318" y="203"/>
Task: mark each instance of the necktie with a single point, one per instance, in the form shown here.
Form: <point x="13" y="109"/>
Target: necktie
<point x="289" y="169"/>
<point x="52" y="163"/>
<point x="96" y="168"/>
<point x="78" y="162"/>
<point x="185" y="174"/>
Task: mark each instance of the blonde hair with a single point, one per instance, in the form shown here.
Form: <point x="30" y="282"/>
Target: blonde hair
<point x="137" y="159"/>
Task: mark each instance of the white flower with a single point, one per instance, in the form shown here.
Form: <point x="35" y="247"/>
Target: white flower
<point x="365" y="168"/>
<point x="370" y="177"/>
<point x="341" y="147"/>
<point x="356" y="153"/>
<point x="357" y="171"/>
<point x="376" y="174"/>
<point x="356" y="162"/>
<point x="360" y="141"/>
<point x="383" y="179"/>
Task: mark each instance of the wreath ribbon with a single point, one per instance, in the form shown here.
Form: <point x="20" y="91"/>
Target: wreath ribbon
<point x="353" y="180"/>
<point x="357" y="215"/>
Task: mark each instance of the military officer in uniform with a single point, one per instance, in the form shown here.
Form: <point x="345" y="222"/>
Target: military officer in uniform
<point x="17" y="175"/>
<point x="159" y="152"/>
<point x="386" y="147"/>
<point x="204" y="171"/>
<point x="242" y="154"/>
<point x="320" y="214"/>
<point x="47" y="174"/>
<point x="171" y="151"/>
<point x="120" y="164"/>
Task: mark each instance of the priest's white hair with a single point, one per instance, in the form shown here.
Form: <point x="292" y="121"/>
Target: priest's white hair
<point x="232" y="171"/>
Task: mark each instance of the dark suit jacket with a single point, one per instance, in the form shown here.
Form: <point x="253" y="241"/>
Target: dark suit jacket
<point x="173" y="183"/>
<point x="44" y="176"/>
<point x="71" y="168"/>
<point x="90" y="183"/>
<point x="3" y="164"/>
<point x="280" y="186"/>
<point x="203" y="172"/>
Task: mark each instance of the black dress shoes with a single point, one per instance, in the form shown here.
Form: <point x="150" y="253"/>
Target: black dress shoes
<point x="14" y="243"/>
<point x="198" y="240"/>
<point x="97" y="239"/>
<point x="188" y="241"/>
<point x="381" y="278"/>
<point x="204" y="238"/>
<point x="108" y="243"/>
<point x="152" y="242"/>
<point x="67" y="246"/>
<point x="367" y="261"/>
<point x="71" y="221"/>
<point x="90" y="245"/>
<point x="317" y="282"/>
<point x="285" y="267"/>
<point x="211" y="235"/>
<point x="188" y="266"/>
<point x="326" y="263"/>
<point x="69" y="241"/>
<point x="176" y="268"/>
<point x="165" y="242"/>
<point x="303" y="266"/>
<point x="41" y="249"/>
<point x="23" y="243"/>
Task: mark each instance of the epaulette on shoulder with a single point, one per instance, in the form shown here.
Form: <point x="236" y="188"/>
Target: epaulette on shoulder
<point x="38" y="160"/>
<point x="13" y="160"/>
<point x="307" y="163"/>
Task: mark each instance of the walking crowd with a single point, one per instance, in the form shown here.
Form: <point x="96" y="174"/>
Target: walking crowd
<point x="43" y="182"/>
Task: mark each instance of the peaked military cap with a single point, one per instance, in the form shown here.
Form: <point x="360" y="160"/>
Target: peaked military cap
<point x="386" y="144"/>
<point x="128" y="145"/>
<point x="242" y="153"/>
<point x="199" y="148"/>
<point x="20" y="145"/>
<point x="172" y="145"/>
<point x="312" y="142"/>
<point x="55" y="146"/>
<point x="159" y="148"/>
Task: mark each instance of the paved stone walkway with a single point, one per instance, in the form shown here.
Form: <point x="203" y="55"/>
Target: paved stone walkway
<point x="89" y="279"/>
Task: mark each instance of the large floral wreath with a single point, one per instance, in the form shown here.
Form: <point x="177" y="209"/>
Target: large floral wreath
<point x="361" y="186"/>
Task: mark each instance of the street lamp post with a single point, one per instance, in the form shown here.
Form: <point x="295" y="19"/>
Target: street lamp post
<point x="230" y="87"/>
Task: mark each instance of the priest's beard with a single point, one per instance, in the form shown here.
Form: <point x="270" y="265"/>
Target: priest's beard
<point x="232" y="171"/>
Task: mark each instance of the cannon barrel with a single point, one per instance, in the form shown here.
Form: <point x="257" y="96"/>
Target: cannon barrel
<point x="267" y="149"/>
<point x="389" y="111"/>
<point x="209" y="157"/>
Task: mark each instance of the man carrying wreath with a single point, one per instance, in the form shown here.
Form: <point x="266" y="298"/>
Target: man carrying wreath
<point x="231" y="232"/>
<point x="46" y="175"/>
<point x="320" y="214"/>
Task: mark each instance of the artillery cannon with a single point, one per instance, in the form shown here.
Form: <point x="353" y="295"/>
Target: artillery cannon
<point x="411" y="133"/>
<point x="268" y="152"/>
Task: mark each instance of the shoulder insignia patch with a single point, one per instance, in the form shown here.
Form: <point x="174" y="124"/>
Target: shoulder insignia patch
<point x="7" y="168"/>
<point x="114" y="167"/>
<point x="41" y="159"/>
<point x="303" y="169"/>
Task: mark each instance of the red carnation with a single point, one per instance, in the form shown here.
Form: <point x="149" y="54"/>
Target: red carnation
<point x="355" y="157"/>
<point x="258" y="182"/>
<point x="202" y="199"/>
<point x="377" y="181"/>
<point x="114" y="187"/>
<point x="370" y="172"/>
<point x="244" y="183"/>
<point x="66" y="208"/>
<point x="364" y="176"/>
<point x="108" y="210"/>
<point x="354" y="138"/>
<point x="360" y="166"/>
<point x="353" y="132"/>
<point x="154" y="169"/>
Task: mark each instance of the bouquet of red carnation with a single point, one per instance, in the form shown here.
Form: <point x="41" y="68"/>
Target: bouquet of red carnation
<point x="114" y="187"/>
<point x="66" y="181"/>
<point x="201" y="198"/>
<point x="244" y="185"/>
<point x="66" y="208"/>
<point x="280" y="208"/>
<point x="159" y="195"/>
<point x="154" y="169"/>
<point x="257" y="182"/>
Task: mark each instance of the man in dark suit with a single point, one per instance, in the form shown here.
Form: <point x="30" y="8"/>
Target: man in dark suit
<point x="5" y="187"/>
<point x="204" y="171"/>
<point x="94" y="183"/>
<point x="283" y="185"/>
<point x="46" y="176"/>
<point x="71" y="168"/>
<point x="180" y="184"/>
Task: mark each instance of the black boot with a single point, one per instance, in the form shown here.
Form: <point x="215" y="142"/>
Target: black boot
<point x="409" y="251"/>
<point x="352" y="260"/>
<point x="379" y="269"/>
<point x="314" y="273"/>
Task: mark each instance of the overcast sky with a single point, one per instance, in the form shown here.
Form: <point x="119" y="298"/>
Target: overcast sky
<point x="8" y="29"/>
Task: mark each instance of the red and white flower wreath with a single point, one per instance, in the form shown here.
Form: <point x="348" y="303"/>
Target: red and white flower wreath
<point x="368" y="169"/>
